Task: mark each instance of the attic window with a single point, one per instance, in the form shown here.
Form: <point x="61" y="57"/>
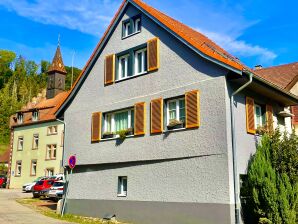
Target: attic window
<point x="131" y="26"/>
<point x="20" y="118"/>
<point x="35" y="115"/>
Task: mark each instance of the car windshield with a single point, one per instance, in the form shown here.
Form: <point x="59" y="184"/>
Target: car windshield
<point x="39" y="182"/>
<point x="58" y="184"/>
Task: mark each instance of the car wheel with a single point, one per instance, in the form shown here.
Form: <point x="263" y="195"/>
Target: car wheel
<point x="35" y="196"/>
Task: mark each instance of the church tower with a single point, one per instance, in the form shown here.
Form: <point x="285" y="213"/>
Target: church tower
<point x="56" y="75"/>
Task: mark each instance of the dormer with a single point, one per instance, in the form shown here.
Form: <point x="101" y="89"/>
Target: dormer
<point x="20" y="117"/>
<point x="35" y="115"/>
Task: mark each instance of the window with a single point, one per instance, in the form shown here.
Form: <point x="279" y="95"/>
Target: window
<point x="140" y="58"/>
<point x="52" y="130"/>
<point x="20" y="143"/>
<point x="176" y="113"/>
<point x="62" y="138"/>
<point x="51" y="151"/>
<point x="122" y="67"/>
<point x="137" y="25"/>
<point x="35" y="116"/>
<point x="122" y="186"/>
<point x="35" y="141"/>
<point x="260" y="116"/>
<point x="118" y="121"/>
<point x="18" y="168"/>
<point x="126" y="29"/>
<point x="131" y="26"/>
<point x="49" y="172"/>
<point x="33" y="167"/>
<point x="20" y="118"/>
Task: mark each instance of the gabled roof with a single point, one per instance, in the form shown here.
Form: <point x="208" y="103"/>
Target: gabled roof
<point x="285" y="76"/>
<point x="192" y="38"/>
<point x="57" y="63"/>
<point x="46" y="108"/>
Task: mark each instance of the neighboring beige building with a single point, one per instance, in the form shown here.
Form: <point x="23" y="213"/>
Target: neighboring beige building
<point x="286" y="77"/>
<point x="36" y="135"/>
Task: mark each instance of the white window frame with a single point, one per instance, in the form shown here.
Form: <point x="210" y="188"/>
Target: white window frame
<point x="20" y="118"/>
<point x="120" y="186"/>
<point x="126" y="57"/>
<point x="53" y="130"/>
<point x="18" y="165"/>
<point x="33" y="164"/>
<point x="177" y="108"/>
<point x="49" y="170"/>
<point x="35" y="146"/>
<point x="126" y="27"/>
<point x="143" y="51"/>
<point x="20" y="145"/>
<point x="137" y="21"/>
<point x="113" y="126"/>
<point x="256" y="118"/>
<point x="35" y="116"/>
<point x="50" y="151"/>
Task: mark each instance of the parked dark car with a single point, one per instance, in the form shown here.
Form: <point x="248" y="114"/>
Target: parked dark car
<point x="3" y="181"/>
<point x="42" y="187"/>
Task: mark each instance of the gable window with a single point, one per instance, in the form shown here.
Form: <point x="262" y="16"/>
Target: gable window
<point x="260" y="116"/>
<point x="18" y="168"/>
<point x="131" y="26"/>
<point x="33" y="167"/>
<point x="176" y="113"/>
<point x="20" y="143"/>
<point x="123" y="67"/>
<point x="117" y="121"/>
<point x="122" y="186"/>
<point x="52" y="130"/>
<point x="35" y="116"/>
<point x="20" y="118"/>
<point x="140" y="61"/>
<point x="35" y="141"/>
<point x="51" y="152"/>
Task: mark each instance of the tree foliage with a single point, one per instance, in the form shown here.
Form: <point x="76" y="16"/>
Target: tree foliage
<point x="271" y="188"/>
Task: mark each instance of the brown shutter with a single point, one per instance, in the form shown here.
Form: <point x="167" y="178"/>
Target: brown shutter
<point x="96" y="127"/>
<point x="140" y="118"/>
<point x="294" y="110"/>
<point x="192" y="107"/>
<point x="109" y="69"/>
<point x="157" y="115"/>
<point x="153" y="54"/>
<point x="269" y="117"/>
<point x="250" y="115"/>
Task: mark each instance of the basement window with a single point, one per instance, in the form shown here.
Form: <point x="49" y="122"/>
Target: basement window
<point x="122" y="186"/>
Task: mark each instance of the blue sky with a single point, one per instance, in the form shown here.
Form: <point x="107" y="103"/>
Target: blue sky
<point x="257" y="32"/>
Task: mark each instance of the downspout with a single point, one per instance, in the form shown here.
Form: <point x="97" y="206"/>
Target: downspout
<point x="234" y="150"/>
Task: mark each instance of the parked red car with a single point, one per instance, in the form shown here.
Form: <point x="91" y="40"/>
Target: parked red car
<point x="42" y="187"/>
<point x="2" y="181"/>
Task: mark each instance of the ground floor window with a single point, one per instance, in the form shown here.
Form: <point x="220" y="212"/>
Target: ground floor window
<point x="33" y="167"/>
<point x="18" y="168"/>
<point x="122" y="186"/>
<point x="260" y="115"/>
<point x="49" y="172"/>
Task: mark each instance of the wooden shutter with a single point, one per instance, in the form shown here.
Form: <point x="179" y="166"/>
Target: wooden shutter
<point x="96" y="127"/>
<point x="269" y="117"/>
<point x="157" y="115"/>
<point x="192" y="109"/>
<point x="294" y="110"/>
<point x="109" y="69"/>
<point x="140" y="118"/>
<point x="250" y="115"/>
<point x="153" y="54"/>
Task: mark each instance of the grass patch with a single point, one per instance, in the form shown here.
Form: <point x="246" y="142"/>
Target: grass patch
<point x="3" y="148"/>
<point x="35" y="204"/>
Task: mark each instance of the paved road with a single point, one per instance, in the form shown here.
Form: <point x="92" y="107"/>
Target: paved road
<point x="12" y="212"/>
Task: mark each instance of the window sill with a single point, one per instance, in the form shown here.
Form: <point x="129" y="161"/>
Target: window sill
<point x="50" y="159"/>
<point x="34" y="148"/>
<point x="32" y="175"/>
<point x="131" y="77"/>
<point x="19" y="149"/>
<point x="174" y="130"/>
<point x="115" y="138"/>
<point x="53" y="134"/>
<point x="17" y="175"/>
<point x="121" y="195"/>
<point x="132" y="34"/>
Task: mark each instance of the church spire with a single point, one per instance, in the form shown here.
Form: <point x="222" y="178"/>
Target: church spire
<point x="57" y="63"/>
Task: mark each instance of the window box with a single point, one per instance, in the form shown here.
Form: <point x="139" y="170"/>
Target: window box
<point x="175" y="124"/>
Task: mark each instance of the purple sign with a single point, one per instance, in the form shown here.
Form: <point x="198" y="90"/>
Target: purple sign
<point x="72" y="161"/>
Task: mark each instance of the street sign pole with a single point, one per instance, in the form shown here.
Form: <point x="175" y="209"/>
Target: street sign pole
<point x="71" y="163"/>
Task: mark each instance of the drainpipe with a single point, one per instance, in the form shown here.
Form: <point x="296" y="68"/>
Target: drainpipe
<point x="235" y="169"/>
